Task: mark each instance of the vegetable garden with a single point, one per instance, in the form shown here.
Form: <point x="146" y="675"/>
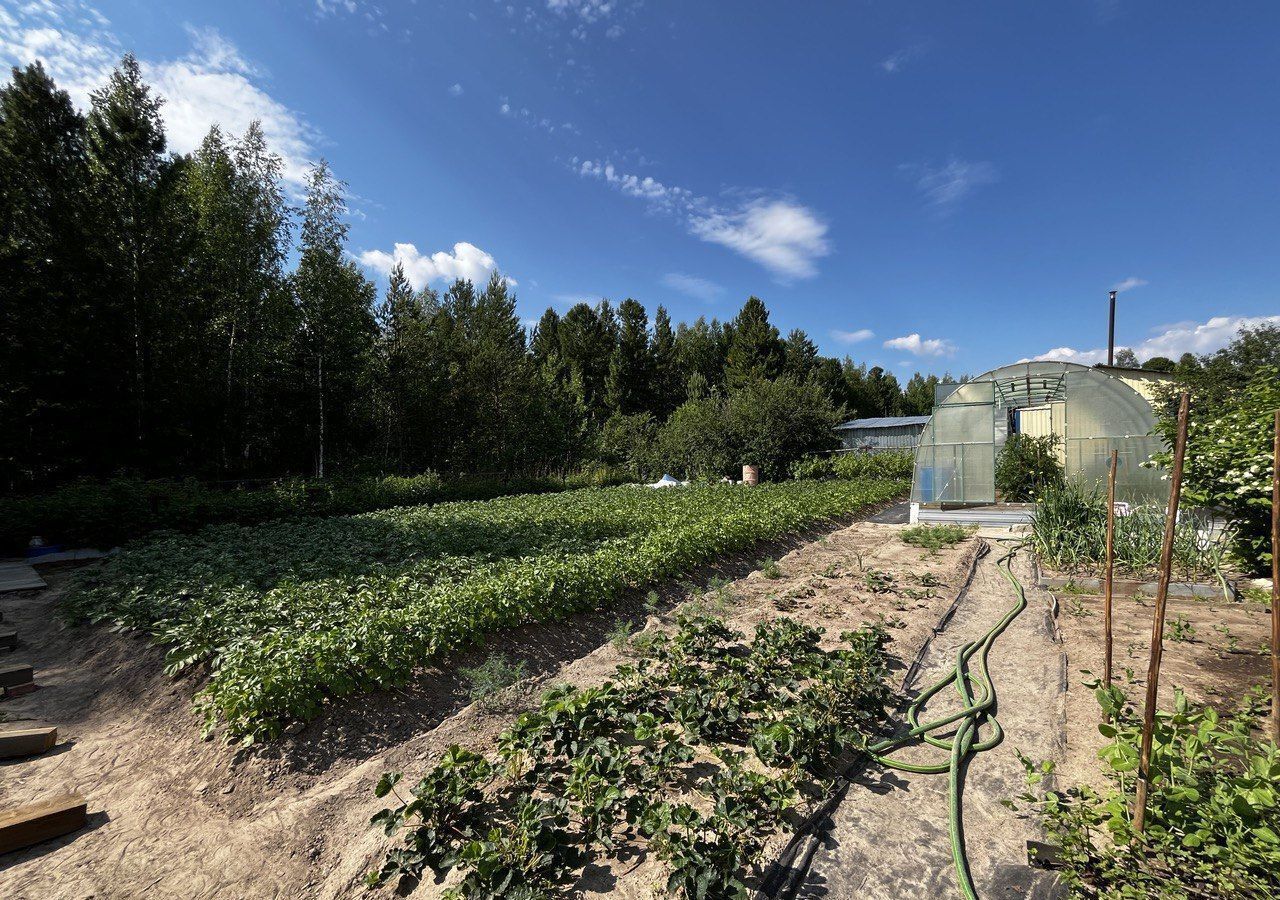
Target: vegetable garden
<point x="288" y="615"/>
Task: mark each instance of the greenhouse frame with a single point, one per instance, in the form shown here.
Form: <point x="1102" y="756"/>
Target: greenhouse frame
<point x="1091" y="410"/>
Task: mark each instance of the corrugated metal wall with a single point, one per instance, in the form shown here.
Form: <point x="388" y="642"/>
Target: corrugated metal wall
<point x="905" y="437"/>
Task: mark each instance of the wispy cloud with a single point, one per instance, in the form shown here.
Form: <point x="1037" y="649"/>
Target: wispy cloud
<point x="918" y="346"/>
<point x="893" y="63"/>
<point x="784" y="236"/>
<point x="589" y="11"/>
<point x="1172" y="341"/>
<point x="466" y="261"/>
<point x="1128" y="284"/>
<point x="944" y="186"/>
<point x="456" y="90"/>
<point x="853" y="337"/>
<point x="693" y="286"/>
<point x="525" y="116"/>
<point x="211" y="84"/>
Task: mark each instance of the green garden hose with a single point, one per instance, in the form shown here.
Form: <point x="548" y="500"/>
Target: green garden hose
<point x="978" y="697"/>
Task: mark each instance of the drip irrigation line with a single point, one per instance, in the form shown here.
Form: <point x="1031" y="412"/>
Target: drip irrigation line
<point x="978" y="695"/>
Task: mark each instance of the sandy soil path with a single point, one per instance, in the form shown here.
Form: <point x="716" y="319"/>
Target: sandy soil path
<point x="889" y="837"/>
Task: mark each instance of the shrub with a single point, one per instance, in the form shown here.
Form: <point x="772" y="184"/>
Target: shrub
<point x="1229" y="463"/>
<point x="1212" y="825"/>
<point x="1026" y="466"/>
<point x="892" y="465"/>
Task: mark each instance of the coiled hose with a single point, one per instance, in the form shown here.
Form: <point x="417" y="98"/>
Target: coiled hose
<point x="978" y="697"/>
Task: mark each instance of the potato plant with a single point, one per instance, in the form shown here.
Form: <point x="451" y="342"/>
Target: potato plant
<point x="287" y="615"/>
<point x="696" y="751"/>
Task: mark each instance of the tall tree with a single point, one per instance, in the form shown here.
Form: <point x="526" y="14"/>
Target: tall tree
<point x="630" y="365"/>
<point x="917" y="398"/>
<point x="668" y="383"/>
<point x="46" y="323"/>
<point x="754" y="352"/>
<point x="799" y="355"/>
<point x="587" y="338"/>
<point x="137" y="227"/>
<point x="335" y="307"/>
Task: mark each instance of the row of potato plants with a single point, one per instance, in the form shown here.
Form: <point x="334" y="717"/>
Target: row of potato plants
<point x="288" y="615"/>
<point x="693" y="754"/>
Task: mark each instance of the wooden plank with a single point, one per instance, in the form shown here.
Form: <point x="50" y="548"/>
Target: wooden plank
<point x="8" y="638"/>
<point x="16" y="674"/>
<point x="41" y="821"/>
<point x="27" y="742"/>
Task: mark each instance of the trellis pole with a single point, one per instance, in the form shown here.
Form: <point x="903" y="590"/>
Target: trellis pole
<point x="1275" y="582"/>
<point x="1110" y="562"/>
<point x="1157" y="623"/>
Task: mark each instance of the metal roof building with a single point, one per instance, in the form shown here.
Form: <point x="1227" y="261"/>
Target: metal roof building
<point x="882" y="433"/>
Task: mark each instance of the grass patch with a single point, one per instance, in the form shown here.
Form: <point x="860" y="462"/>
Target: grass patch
<point x="486" y="680"/>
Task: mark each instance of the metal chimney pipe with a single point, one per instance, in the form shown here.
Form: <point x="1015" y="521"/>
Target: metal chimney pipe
<point x="1111" y="333"/>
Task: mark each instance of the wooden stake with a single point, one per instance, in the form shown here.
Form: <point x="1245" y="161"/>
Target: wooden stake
<point x="1157" y="623"/>
<point x="1110" y="562"/>
<point x="1275" y="584"/>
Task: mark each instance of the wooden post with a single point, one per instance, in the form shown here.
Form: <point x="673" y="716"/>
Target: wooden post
<point x="1110" y="563"/>
<point x="1157" y="623"/>
<point x="1275" y="583"/>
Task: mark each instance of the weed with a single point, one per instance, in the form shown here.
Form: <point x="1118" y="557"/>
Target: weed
<point x="879" y="582"/>
<point x="1180" y="630"/>
<point x="769" y="568"/>
<point x="935" y="537"/>
<point x="1233" y="642"/>
<point x="652" y="603"/>
<point x="620" y="634"/>
<point x="486" y="680"/>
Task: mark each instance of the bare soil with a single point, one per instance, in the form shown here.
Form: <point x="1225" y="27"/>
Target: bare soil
<point x="172" y="815"/>
<point x="1220" y="653"/>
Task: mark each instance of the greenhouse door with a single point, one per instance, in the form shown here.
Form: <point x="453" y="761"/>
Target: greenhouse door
<point x="956" y="460"/>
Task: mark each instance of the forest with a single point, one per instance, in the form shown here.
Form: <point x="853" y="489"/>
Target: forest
<point x="168" y="315"/>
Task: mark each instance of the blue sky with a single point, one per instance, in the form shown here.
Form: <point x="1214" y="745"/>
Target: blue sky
<point x="936" y="186"/>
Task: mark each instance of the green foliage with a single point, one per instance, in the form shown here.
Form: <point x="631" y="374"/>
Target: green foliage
<point x="935" y="537"/>
<point x="766" y="423"/>
<point x="1229" y="462"/>
<point x="290" y="614"/>
<point x="498" y="671"/>
<point x="1069" y="532"/>
<point x="748" y="727"/>
<point x="1213" y="810"/>
<point x="1028" y="466"/>
<point x="888" y="465"/>
<point x="108" y="513"/>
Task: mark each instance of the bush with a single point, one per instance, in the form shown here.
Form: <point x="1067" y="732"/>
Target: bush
<point x="770" y="424"/>
<point x="1229" y="463"/>
<point x="889" y="465"/>
<point x="1026" y="466"/>
<point x="934" y="537"/>
<point x="1213" y="809"/>
<point x="626" y="443"/>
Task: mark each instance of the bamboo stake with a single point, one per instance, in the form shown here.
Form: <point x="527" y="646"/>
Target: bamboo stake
<point x="1275" y="584"/>
<point x="1157" y="624"/>
<point x="1110" y="563"/>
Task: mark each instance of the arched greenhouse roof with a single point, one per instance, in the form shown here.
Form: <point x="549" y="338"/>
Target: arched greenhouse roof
<point x="1091" y="411"/>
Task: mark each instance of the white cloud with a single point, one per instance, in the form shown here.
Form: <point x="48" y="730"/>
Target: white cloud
<point x="893" y="63"/>
<point x="1128" y="284"/>
<point x="944" y="186"/>
<point x="466" y="261"/>
<point x="783" y="236"/>
<point x="693" y="286"/>
<point x="780" y="234"/>
<point x="853" y="337"/>
<point x="455" y="90"/>
<point x="211" y="84"/>
<point x="587" y="10"/>
<point x="1172" y="341"/>
<point x="918" y="346"/>
<point x="525" y="115"/>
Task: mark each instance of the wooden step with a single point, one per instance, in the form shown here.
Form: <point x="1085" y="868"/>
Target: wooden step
<point x="41" y="821"/>
<point x="17" y="674"/>
<point x="8" y="639"/>
<point x="27" y="742"/>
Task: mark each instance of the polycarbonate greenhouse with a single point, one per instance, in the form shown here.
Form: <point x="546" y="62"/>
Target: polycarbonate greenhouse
<point x="1091" y="410"/>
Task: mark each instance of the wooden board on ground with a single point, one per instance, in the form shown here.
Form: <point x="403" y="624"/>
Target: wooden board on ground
<point x="41" y="821"/>
<point x="15" y="675"/>
<point x="19" y="576"/>
<point x="8" y="638"/>
<point x="27" y="741"/>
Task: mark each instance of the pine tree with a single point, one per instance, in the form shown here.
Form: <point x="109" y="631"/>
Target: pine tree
<point x="137" y="239"/>
<point x="630" y="365"/>
<point x="799" y="355"/>
<point x="668" y="382"/>
<point x="755" y="352"/>
<point x="47" y="318"/>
